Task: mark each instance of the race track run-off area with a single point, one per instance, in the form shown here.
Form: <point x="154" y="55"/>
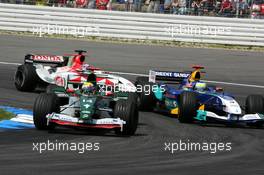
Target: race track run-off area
<point x="238" y="72"/>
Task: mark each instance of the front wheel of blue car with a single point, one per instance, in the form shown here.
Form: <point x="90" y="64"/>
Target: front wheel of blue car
<point x="187" y="107"/>
<point x="254" y="104"/>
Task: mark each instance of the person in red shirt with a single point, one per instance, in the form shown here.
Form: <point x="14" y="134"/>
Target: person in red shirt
<point x="262" y="9"/>
<point x="81" y="3"/>
<point x="226" y="6"/>
<point x="101" y="4"/>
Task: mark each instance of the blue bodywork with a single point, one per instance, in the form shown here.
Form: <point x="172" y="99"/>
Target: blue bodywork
<point x="169" y="99"/>
<point x="214" y="104"/>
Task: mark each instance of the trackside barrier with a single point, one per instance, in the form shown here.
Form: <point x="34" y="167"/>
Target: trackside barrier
<point x="168" y="27"/>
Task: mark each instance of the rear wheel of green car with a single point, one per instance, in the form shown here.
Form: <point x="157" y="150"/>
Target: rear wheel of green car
<point x="133" y="96"/>
<point x="146" y="97"/>
<point x="51" y="87"/>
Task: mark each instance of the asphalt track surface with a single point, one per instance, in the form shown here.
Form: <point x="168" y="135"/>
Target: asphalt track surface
<point x="143" y="153"/>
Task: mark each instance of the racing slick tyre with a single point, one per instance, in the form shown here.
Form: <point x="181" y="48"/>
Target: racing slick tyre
<point x="50" y="88"/>
<point x="142" y="79"/>
<point x="254" y="104"/>
<point x="45" y="104"/>
<point x="26" y="78"/>
<point x="146" y="101"/>
<point x="187" y="107"/>
<point x="127" y="111"/>
<point x="133" y="97"/>
<point x="53" y="88"/>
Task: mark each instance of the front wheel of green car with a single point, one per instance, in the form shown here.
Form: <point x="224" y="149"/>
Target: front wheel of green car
<point x="127" y="111"/>
<point x="45" y="104"/>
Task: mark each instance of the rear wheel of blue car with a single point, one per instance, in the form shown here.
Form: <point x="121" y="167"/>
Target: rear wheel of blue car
<point x="187" y="107"/>
<point x="45" y="104"/>
<point x="146" y="97"/>
<point x="127" y="111"/>
<point x="254" y="104"/>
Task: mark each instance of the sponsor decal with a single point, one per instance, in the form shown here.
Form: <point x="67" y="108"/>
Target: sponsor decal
<point x="64" y="118"/>
<point x="109" y="121"/>
<point x="46" y="58"/>
<point x="172" y="74"/>
<point x="59" y="81"/>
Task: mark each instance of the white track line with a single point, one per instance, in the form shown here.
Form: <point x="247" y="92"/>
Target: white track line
<point x="235" y="84"/>
<point x="16" y="64"/>
<point x="145" y="75"/>
<point x="128" y="73"/>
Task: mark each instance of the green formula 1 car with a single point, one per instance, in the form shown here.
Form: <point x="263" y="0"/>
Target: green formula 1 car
<point x="87" y="105"/>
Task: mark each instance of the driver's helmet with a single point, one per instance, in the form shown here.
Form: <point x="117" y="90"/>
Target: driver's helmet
<point x="88" y="88"/>
<point x="200" y="86"/>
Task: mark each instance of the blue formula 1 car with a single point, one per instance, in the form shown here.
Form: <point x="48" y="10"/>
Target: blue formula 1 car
<point x="186" y="96"/>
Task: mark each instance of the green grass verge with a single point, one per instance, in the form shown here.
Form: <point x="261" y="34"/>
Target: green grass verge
<point x="5" y="115"/>
<point x="143" y="42"/>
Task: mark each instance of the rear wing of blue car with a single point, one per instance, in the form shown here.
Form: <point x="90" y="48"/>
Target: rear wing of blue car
<point x="168" y="76"/>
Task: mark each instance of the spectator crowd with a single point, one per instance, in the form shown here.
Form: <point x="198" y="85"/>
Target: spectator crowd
<point x="226" y="8"/>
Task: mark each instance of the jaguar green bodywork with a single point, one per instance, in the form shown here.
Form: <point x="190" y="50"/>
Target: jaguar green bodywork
<point x="87" y="105"/>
